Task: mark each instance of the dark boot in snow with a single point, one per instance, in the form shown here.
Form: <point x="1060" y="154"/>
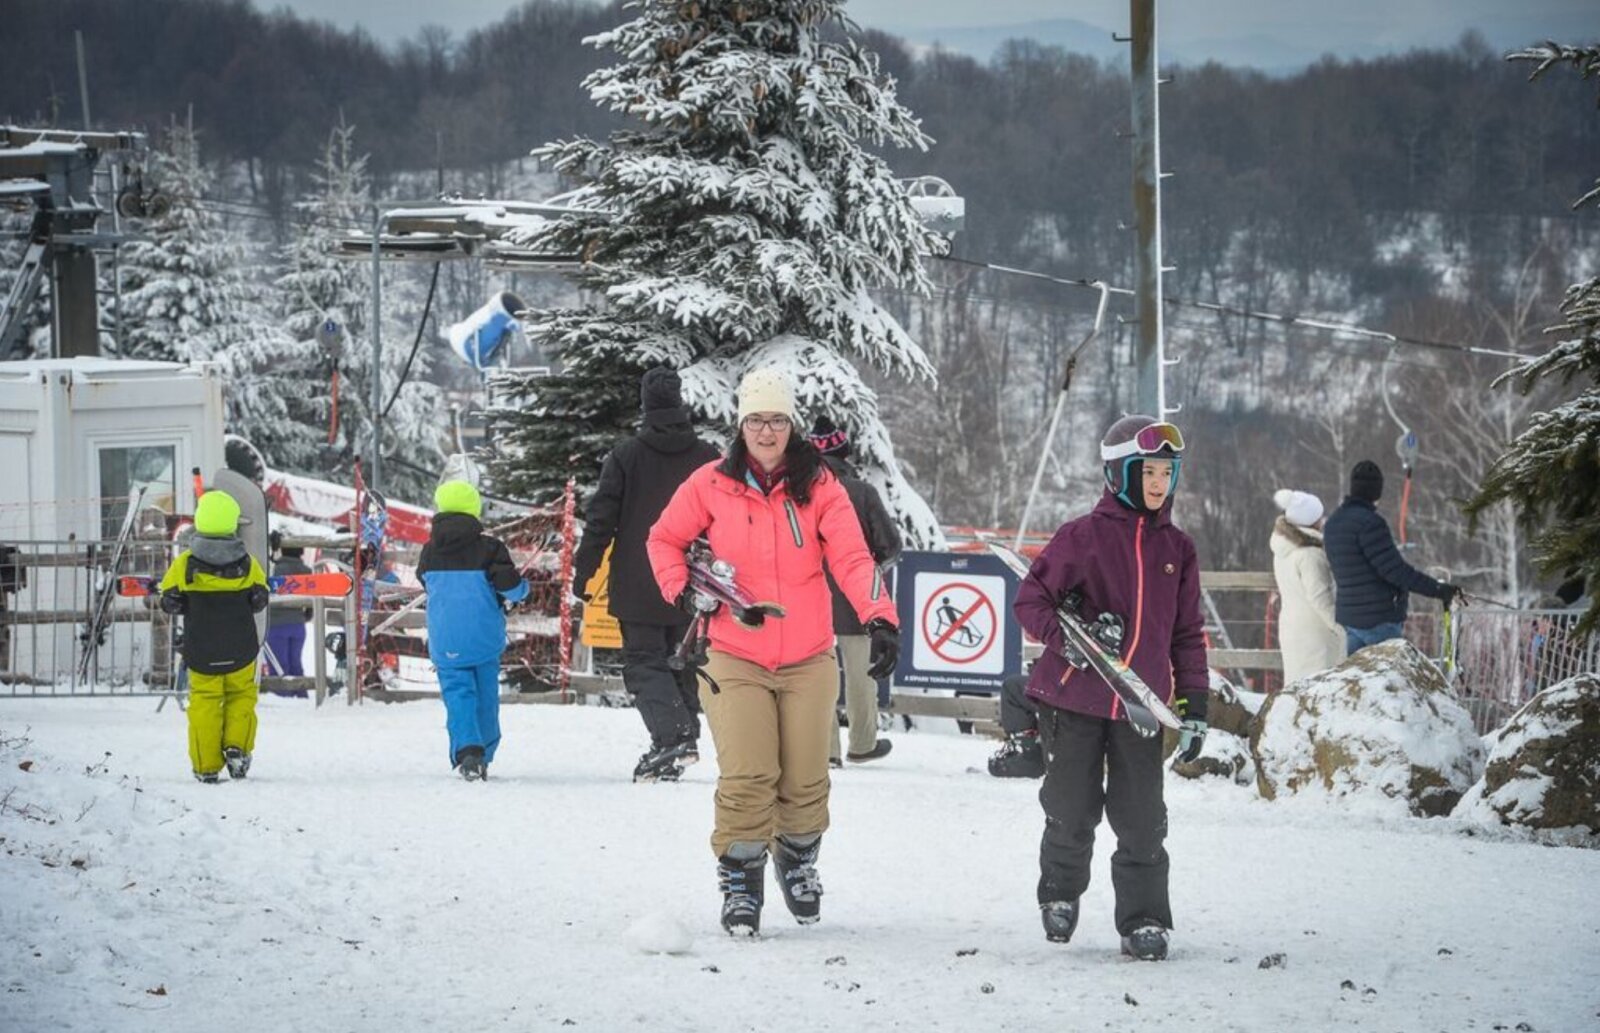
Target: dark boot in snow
<point x="742" y="877"/>
<point x="469" y="762"/>
<point x="1060" y="918"/>
<point x="879" y="750"/>
<point x="210" y="778"/>
<point x="1146" y="943"/>
<point x="238" y="761"/>
<point x="665" y="763"/>
<point x="1020" y="756"/>
<point x="796" y="862"/>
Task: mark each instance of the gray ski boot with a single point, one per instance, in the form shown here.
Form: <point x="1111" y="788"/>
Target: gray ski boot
<point x="1148" y="942"/>
<point x="795" y="858"/>
<point x="742" y="877"/>
<point x="1060" y="919"/>
<point x="237" y="760"/>
<point x="469" y="762"/>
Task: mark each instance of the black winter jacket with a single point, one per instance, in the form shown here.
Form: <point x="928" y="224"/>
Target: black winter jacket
<point x="1372" y="580"/>
<point x="636" y="483"/>
<point x="877" y="527"/>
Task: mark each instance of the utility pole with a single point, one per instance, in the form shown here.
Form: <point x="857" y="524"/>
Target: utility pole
<point x="375" y="460"/>
<point x="1150" y="353"/>
<point x="83" y="80"/>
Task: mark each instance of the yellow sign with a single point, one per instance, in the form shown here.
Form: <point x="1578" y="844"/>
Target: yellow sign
<point x="600" y="630"/>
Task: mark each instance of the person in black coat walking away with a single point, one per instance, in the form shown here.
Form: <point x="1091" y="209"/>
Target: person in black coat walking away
<point x="883" y="541"/>
<point x="1372" y="580"/>
<point x="637" y="480"/>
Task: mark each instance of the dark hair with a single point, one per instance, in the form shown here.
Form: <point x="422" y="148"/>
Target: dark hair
<point x="801" y="460"/>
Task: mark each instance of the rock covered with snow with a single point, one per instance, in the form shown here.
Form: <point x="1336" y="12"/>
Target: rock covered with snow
<point x="1543" y="770"/>
<point x="1382" y="725"/>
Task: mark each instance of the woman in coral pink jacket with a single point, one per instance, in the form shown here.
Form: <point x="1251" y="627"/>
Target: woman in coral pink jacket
<point x="772" y="509"/>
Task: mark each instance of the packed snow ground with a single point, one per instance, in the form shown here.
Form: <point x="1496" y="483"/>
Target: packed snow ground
<point x="353" y="883"/>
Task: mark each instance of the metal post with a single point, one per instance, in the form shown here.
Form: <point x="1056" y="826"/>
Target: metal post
<point x="319" y="628"/>
<point x="375" y="459"/>
<point x="83" y="79"/>
<point x="1151" y="390"/>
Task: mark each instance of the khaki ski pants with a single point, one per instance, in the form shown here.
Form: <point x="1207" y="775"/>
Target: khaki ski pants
<point x="772" y="730"/>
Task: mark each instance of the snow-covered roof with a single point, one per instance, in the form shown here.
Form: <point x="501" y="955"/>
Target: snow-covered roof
<point x="96" y="368"/>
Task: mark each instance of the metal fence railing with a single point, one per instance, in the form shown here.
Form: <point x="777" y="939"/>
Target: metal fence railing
<point x="49" y="591"/>
<point x="1501" y="658"/>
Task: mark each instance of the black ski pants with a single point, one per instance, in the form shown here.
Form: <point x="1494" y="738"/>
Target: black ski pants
<point x="1018" y="713"/>
<point x="1094" y="764"/>
<point x="666" y="699"/>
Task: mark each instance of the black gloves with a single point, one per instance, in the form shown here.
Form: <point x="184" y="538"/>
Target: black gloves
<point x="174" y="602"/>
<point x="1450" y="593"/>
<point x="259" y="597"/>
<point x="885" y="648"/>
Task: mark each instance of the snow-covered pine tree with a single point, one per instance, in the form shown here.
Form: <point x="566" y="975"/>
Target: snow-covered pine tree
<point x="183" y="289"/>
<point x="740" y="223"/>
<point x="32" y="339"/>
<point x="1551" y="471"/>
<point x="187" y="296"/>
<point x="316" y="285"/>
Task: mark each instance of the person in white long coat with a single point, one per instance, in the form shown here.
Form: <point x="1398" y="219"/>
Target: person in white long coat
<point x="1311" y="639"/>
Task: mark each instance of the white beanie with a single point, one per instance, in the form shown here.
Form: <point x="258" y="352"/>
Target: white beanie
<point x="766" y="390"/>
<point x="1300" y="508"/>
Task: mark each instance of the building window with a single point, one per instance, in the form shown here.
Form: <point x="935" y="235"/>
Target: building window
<point x="126" y="468"/>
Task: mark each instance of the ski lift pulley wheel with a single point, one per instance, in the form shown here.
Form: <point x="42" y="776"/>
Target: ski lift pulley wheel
<point x="1406" y="447"/>
<point x="330" y="338"/>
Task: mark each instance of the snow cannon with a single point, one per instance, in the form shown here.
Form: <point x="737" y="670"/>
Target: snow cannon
<point x="478" y="337"/>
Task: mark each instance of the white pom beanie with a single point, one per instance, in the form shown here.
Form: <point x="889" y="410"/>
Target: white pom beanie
<point x="1300" y="508"/>
<point x="766" y="390"/>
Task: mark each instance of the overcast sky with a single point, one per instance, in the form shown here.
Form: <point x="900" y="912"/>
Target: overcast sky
<point x="1341" y="26"/>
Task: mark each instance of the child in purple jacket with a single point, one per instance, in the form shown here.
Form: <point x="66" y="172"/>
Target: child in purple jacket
<point x="1127" y="558"/>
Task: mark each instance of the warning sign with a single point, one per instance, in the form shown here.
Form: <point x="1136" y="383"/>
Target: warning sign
<point x="600" y="629"/>
<point x="956" y="620"/>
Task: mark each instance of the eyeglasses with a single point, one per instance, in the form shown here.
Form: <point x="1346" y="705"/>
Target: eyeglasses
<point x="778" y="424"/>
<point x="1148" y="441"/>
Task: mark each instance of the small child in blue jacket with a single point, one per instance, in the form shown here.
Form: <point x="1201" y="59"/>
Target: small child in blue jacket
<point x="467" y="573"/>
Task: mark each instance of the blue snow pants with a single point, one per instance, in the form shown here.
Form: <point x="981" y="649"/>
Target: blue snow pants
<point x="472" y="707"/>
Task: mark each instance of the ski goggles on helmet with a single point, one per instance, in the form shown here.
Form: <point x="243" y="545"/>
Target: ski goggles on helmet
<point x="1148" y="441"/>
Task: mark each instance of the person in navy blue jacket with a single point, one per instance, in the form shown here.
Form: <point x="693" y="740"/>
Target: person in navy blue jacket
<point x="1372" y="581"/>
<point x="467" y="573"/>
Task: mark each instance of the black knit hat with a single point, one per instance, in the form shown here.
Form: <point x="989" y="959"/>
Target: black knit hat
<point x="830" y="440"/>
<point x="660" y="389"/>
<point x="1366" y="481"/>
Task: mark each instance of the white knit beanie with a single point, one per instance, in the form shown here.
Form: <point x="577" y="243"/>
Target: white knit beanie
<point x="1300" y="508"/>
<point x="766" y="390"/>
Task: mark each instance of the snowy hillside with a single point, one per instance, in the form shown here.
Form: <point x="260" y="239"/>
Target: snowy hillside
<point x="352" y="883"/>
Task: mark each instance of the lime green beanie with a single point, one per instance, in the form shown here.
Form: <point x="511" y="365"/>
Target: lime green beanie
<point x="216" y="515"/>
<point x="457" y="497"/>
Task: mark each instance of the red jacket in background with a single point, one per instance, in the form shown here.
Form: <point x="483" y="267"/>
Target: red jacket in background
<point x="1137" y="566"/>
<point x="776" y="548"/>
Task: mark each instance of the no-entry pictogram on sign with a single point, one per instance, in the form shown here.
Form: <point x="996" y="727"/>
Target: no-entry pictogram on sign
<point x="959" y="624"/>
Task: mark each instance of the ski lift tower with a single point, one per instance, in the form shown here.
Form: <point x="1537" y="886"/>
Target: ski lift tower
<point x="53" y="172"/>
<point x="453" y="228"/>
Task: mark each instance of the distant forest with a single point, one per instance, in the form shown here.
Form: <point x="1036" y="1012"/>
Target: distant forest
<point x="1034" y="131"/>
